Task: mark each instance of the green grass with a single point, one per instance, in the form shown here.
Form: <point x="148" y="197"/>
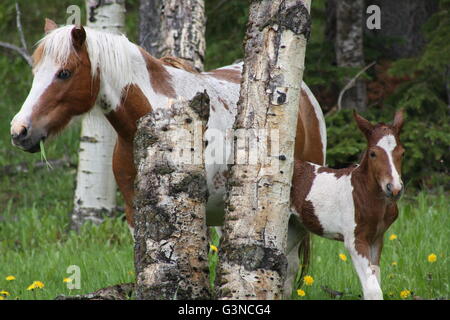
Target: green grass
<point x="422" y="229"/>
<point x="36" y="244"/>
<point x="35" y="240"/>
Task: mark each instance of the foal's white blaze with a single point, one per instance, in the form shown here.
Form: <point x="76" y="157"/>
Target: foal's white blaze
<point x="388" y="144"/>
<point x="43" y="77"/>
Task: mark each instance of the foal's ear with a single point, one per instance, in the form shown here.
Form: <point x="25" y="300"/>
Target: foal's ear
<point x="398" y="121"/>
<point x="364" y="125"/>
<point x="78" y="37"/>
<point x="50" y="25"/>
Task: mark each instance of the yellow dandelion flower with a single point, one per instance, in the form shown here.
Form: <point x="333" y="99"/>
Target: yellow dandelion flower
<point x="394" y="263"/>
<point x="308" y="280"/>
<point x="301" y="293"/>
<point x="4" y="293"/>
<point x="10" y="278"/>
<point x="67" y="280"/>
<point x="391" y="276"/>
<point x="343" y="257"/>
<point x="2" y="298"/>
<point x="432" y="258"/>
<point x="213" y="248"/>
<point x="392" y="237"/>
<point x="35" y="285"/>
<point x="405" y="294"/>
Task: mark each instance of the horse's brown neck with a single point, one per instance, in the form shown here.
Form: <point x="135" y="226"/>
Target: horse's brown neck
<point x="132" y="107"/>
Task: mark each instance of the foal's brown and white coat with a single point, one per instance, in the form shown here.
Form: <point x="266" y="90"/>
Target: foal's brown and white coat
<point x="356" y="204"/>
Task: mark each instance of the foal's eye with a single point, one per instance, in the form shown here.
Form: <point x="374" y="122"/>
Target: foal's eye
<point x="372" y="154"/>
<point x="63" y="74"/>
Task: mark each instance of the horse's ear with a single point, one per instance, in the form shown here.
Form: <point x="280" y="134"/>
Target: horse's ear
<point x="364" y="125"/>
<point x="78" y="37"/>
<point x="398" y="120"/>
<point x="50" y="25"/>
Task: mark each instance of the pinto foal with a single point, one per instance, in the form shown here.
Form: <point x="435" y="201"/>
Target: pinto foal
<point x="355" y="205"/>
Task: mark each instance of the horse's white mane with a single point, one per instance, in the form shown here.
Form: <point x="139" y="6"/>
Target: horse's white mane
<point x="112" y="54"/>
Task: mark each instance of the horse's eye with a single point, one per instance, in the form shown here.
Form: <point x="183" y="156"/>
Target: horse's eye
<point x="372" y="154"/>
<point x="64" y="74"/>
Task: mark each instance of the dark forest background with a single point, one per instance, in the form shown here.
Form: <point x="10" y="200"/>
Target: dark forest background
<point x="411" y="52"/>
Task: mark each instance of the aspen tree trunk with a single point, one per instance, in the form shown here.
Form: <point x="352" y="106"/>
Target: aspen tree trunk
<point x="171" y="241"/>
<point x="252" y="255"/>
<point x="95" y="194"/>
<point x="175" y="28"/>
<point x="349" y="49"/>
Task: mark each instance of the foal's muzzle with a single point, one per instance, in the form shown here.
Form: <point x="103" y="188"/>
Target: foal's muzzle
<point x="394" y="193"/>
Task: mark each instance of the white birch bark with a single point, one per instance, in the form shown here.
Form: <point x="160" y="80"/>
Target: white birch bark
<point x="175" y="28"/>
<point x="95" y="193"/>
<point x="171" y="240"/>
<point x="252" y="254"/>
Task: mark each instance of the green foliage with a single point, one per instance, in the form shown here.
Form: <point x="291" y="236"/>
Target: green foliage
<point x="424" y="97"/>
<point x="225" y="31"/>
<point x="426" y="134"/>
<point x="345" y="141"/>
<point x="426" y="142"/>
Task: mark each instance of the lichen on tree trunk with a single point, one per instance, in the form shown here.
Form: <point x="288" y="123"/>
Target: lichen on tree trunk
<point x="171" y="241"/>
<point x="253" y="261"/>
<point x="175" y="28"/>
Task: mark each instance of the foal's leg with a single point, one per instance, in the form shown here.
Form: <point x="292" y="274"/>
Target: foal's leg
<point x="375" y="256"/>
<point x="368" y="274"/>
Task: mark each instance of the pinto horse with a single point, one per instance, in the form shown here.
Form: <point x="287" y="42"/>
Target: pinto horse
<point x="76" y="68"/>
<point x="355" y="205"/>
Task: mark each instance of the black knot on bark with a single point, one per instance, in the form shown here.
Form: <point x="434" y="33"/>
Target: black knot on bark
<point x="295" y="18"/>
<point x="200" y="104"/>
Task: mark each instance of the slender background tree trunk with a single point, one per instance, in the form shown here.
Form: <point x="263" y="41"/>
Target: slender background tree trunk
<point x="95" y="194"/>
<point x="350" y="49"/>
<point x="252" y="257"/>
<point x="174" y="27"/>
<point x="171" y="193"/>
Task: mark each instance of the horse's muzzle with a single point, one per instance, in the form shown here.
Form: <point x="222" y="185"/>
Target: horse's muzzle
<point x="28" y="143"/>
<point x="392" y="193"/>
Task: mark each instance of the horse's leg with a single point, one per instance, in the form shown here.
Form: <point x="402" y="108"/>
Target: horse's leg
<point x="367" y="273"/>
<point x="296" y="232"/>
<point x="124" y="172"/>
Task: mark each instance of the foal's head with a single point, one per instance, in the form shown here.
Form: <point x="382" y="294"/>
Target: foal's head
<point x="62" y="88"/>
<point x="384" y="153"/>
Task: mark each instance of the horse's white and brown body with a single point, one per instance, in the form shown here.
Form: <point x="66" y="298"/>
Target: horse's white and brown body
<point x="76" y="67"/>
<point x="356" y="204"/>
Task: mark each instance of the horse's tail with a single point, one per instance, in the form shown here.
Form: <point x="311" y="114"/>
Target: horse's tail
<point x="304" y="253"/>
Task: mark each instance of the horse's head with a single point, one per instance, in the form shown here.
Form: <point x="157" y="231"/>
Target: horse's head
<point x="62" y="87"/>
<point x="384" y="153"/>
